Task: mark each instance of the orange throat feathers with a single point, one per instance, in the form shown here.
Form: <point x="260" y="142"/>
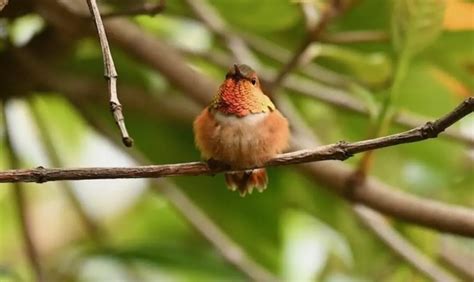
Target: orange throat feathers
<point x="240" y="95"/>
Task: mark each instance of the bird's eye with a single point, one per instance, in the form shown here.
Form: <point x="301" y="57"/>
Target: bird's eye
<point x="254" y="81"/>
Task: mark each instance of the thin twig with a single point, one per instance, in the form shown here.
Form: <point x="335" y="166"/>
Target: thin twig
<point x="89" y="224"/>
<point x="146" y="9"/>
<point x="400" y="246"/>
<point x="338" y="151"/>
<point x="229" y="249"/>
<point x="110" y="74"/>
<point x="21" y="204"/>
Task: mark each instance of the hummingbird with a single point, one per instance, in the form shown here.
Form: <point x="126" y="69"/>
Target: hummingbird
<point x="241" y="128"/>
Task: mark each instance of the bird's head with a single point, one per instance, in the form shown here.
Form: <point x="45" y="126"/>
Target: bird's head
<point x="240" y="93"/>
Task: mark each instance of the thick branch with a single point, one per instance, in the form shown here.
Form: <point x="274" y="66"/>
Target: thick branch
<point x="338" y="151"/>
<point x="110" y="74"/>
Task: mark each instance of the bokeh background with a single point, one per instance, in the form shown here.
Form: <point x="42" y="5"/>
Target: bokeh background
<point x="54" y="103"/>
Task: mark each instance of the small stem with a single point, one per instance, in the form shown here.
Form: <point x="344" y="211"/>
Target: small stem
<point x="110" y="74"/>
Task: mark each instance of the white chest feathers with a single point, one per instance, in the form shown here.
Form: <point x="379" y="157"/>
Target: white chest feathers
<point x="250" y="120"/>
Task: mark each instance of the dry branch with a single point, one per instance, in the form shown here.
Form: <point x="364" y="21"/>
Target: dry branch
<point x="338" y="151"/>
<point x="110" y="74"/>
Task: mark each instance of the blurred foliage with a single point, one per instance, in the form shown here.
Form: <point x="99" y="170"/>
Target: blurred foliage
<point x="296" y="228"/>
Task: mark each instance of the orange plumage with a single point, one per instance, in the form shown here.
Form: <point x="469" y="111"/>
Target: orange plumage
<point x="241" y="128"/>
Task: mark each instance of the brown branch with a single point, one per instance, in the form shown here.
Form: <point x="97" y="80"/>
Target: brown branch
<point x="20" y="201"/>
<point x="400" y="246"/>
<point x="146" y="9"/>
<point x="110" y="74"/>
<point x="338" y="151"/>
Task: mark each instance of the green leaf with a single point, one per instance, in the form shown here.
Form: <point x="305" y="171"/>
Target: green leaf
<point x="416" y="24"/>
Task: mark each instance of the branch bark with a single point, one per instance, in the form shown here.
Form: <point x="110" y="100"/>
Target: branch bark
<point x="110" y="74"/>
<point x="339" y="151"/>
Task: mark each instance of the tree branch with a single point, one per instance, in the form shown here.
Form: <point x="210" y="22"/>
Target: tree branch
<point x="338" y="151"/>
<point x="110" y="74"/>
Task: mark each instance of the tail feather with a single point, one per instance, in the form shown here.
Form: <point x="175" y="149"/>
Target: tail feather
<point x="246" y="181"/>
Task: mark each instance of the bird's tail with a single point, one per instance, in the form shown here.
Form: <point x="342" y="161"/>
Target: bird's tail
<point x="247" y="180"/>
